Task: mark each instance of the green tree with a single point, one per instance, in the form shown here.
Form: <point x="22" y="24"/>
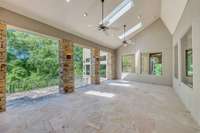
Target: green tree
<point x="78" y="61"/>
<point x="32" y="61"/>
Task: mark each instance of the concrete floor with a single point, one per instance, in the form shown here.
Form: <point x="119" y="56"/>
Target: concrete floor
<point x="113" y="107"/>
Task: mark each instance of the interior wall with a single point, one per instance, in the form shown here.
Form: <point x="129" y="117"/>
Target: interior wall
<point x="156" y="38"/>
<point x="171" y="11"/>
<point x="189" y="96"/>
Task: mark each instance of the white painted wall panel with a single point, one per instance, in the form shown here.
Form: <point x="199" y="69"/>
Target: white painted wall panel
<point x="171" y="12"/>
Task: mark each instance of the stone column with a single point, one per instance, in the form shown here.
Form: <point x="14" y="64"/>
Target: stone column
<point x="2" y="67"/>
<point x="95" y="66"/>
<point x="66" y="66"/>
<point x="111" y="66"/>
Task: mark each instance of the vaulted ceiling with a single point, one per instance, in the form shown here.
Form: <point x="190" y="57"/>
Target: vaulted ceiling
<point x="171" y="12"/>
<point x="69" y="16"/>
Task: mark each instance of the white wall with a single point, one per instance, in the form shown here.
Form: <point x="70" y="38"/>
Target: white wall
<point x="190" y="96"/>
<point x="171" y="11"/>
<point x="155" y="38"/>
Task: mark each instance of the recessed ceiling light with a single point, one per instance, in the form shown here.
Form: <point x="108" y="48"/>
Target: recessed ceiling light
<point x="68" y="1"/>
<point x="85" y="14"/>
<point x="133" y="29"/>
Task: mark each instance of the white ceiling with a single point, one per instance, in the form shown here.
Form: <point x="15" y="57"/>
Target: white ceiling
<point x="69" y="16"/>
<point x="171" y="12"/>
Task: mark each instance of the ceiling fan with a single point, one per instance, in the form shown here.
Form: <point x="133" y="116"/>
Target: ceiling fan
<point x="126" y="42"/>
<point x="102" y="26"/>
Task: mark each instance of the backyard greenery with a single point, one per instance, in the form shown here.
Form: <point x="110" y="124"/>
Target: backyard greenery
<point x="78" y="61"/>
<point x="32" y="61"/>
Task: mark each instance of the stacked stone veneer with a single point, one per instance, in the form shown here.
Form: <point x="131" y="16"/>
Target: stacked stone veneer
<point x="95" y="77"/>
<point x="2" y="67"/>
<point x="66" y="66"/>
<point x="111" y="66"/>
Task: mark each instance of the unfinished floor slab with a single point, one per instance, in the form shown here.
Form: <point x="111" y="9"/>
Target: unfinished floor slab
<point x="113" y="107"/>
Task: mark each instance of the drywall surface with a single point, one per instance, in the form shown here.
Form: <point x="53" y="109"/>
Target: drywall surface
<point x="156" y="38"/>
<point x="190" y="96"/>
<point x="171" y="11"/>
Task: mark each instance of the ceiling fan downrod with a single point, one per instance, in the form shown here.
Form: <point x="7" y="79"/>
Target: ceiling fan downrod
<point x="102" y="12"/>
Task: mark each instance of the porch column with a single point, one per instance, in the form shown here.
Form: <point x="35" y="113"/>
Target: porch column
<point x="66" y="66"/>
<point x="111" y="66"/>
<point x="2" y="67"/>
<point x="95" y="77"/>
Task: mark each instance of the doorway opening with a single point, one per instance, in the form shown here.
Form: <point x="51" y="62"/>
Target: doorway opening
<point x="32" y="65"/>
<point x="82" y="66"/>
<point x="103" y="65"/>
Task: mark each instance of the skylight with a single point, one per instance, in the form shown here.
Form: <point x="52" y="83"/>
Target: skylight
<point x="118" y="12"/>
<point x="133" y="29"/>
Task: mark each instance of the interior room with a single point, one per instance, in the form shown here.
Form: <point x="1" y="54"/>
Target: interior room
<point x="100" y="66"/>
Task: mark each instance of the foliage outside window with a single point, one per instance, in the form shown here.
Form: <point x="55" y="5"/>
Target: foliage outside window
<point x="155" y="64"/>
<point x="103" y="70"/>
<point x="103" y="65"/>
<point x="29" y="58"/>
<point x="128" y="63"/>
<point x="189" y="64"/>
<point x="81" y="66"/>
<point x="87" y="60"/>
<point x="78" y="61"/>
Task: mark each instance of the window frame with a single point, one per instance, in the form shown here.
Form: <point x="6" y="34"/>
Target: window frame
<point x="176" y="61"/>
<point x="186" y="62"/>
<point x="131" y="66"/>
<point x="151" y="71"/>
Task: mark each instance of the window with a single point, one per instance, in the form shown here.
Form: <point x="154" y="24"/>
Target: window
<point x="189" y="67"/>
<point x="176" y="61"/>
<point x="82" y="64"/>
<point x="120" y="10"/>
<point x="103" y="58"/>
<point x="155" y="65"/>
<point x="187" y="59"/>
<point x="103" y="70"/>
<point x="87" y="69"/>
<point x="128" y="64"/>
<point x="103" y="65"/>
<point x="33" y="62"/>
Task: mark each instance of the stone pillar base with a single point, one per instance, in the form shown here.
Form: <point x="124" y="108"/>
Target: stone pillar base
<point x="66" y="66"/>
<point x="95" y="77"/>
<point x="2" y="67"/>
